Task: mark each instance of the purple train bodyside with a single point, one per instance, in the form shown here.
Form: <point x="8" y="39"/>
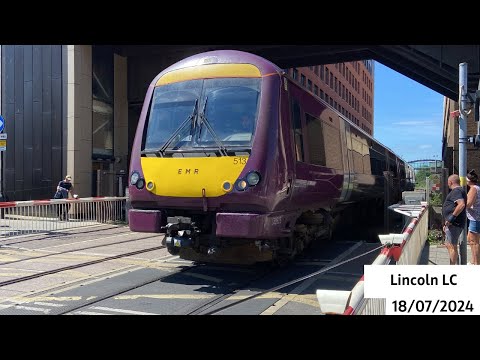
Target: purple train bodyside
<point x="300" y="189"/>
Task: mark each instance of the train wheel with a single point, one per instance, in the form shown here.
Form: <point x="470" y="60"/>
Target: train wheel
<point x="286" y="251"/>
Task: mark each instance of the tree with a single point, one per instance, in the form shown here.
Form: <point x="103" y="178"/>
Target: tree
<point x="420" y="177"/>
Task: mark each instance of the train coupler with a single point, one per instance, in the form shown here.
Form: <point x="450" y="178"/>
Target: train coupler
<point x="179" y="232"/>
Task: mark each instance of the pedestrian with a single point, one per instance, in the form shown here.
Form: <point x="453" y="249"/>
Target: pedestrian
<point x="455" y="216"/>
<point x="473" y="215"/>
<point x="64" y="187"/>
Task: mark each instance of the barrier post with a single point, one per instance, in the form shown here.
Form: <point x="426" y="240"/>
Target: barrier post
<point x="462" y="147"/>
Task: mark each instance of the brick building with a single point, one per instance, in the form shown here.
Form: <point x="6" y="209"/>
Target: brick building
<point x="450" y="139"/>
<point x="348" y="87"/>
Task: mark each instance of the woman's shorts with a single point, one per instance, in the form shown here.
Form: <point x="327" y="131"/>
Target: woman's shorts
<point x="474" y="226"/>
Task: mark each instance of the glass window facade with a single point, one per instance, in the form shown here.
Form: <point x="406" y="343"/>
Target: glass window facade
<point x="102" y="102"/>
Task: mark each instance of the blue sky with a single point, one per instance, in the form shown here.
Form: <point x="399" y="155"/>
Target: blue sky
<point x="408" y="117"/>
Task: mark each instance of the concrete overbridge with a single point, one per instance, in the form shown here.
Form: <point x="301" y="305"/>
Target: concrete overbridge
<point x="435" y="66"/>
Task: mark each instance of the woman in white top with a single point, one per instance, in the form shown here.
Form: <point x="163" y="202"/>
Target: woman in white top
<point x="473" y="215"/>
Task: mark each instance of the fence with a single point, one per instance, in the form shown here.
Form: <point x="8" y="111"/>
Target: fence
<point x="437" y="190"/>
<point x="27" y="217"/>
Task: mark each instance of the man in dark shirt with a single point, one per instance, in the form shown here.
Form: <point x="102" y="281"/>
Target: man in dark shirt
<point x="63" y="188"/>
<point x="455" y="216"/>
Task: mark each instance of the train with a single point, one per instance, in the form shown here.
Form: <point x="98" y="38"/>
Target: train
<point x="235" y="162"/>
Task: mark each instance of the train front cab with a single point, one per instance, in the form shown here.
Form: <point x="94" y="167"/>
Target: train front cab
<point x="197" y="179"/>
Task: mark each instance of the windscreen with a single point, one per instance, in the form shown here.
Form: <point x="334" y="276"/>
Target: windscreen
<point x="203" y="114"/>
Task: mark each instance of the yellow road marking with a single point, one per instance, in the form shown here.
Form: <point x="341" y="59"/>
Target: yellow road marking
<point x="63" y="273"/>
<point x="8" y="258"/>
<point x="57" y="259"/>
<point x="264" y="296"/>
<point x="137" y="262"/>
<point x="307" y="299"/>
<point x="25" y="300"/>
<point x="13" y="251"/>
<point x="75" y="273"/>
<point x="9" y="274"/>
<point x="20" y="270"/>
<point x="164" y="296"/>
<point x="47" y="304"/>
<point x="146" y="264"/>
<point x="86" y="241"/>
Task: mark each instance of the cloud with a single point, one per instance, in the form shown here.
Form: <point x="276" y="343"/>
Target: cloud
<point x="417" y="123"/>
<point x="414" y="139"/>
<point x="411" y="129"/>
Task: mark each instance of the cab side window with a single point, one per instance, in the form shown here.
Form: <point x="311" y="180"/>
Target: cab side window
<point x="297" y="131"/>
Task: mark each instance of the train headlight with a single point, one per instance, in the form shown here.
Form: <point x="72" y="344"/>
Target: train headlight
<point x="150" y="185"/>
<point x="253" y="178"/>
<point x="226" y="186"/>
<point x="241" y="185"/>
<point x="140" y="184"/>
<point x="134" y="177"/>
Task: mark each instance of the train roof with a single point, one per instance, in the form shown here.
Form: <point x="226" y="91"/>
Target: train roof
<point x="224" y="57"/>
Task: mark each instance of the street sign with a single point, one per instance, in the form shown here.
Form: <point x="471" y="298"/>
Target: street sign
<point x="3" y="142"/>
<point x="2" y="124"/>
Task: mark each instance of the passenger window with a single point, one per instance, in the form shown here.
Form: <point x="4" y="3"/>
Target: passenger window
<point x="316" y="146"/>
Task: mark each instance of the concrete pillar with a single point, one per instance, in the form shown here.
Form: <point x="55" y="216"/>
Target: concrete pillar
<point x="120" y="116"/>
<point x="79" y="117"/>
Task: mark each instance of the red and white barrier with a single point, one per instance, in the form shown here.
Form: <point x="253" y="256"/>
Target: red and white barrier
<point x="405" y="247"/>
<point x="13" y="204"/>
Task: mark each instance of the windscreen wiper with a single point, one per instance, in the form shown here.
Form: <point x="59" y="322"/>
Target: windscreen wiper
<point x="190" y="119"/>
<point x="204" y="120"/>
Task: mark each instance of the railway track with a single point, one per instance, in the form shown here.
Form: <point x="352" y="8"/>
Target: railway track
<point x="227" y="294"/>
<point x="76" y="266"/>
<point x="203" y="288"/>
<point x="73" y="251"/>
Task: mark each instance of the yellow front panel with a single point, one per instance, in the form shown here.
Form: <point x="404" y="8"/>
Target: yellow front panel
<point x="186" y="177"/>
<point x="210" y="71"/>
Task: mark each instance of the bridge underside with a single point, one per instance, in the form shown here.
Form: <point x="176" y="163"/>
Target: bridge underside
<point x="435" y="66"/>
